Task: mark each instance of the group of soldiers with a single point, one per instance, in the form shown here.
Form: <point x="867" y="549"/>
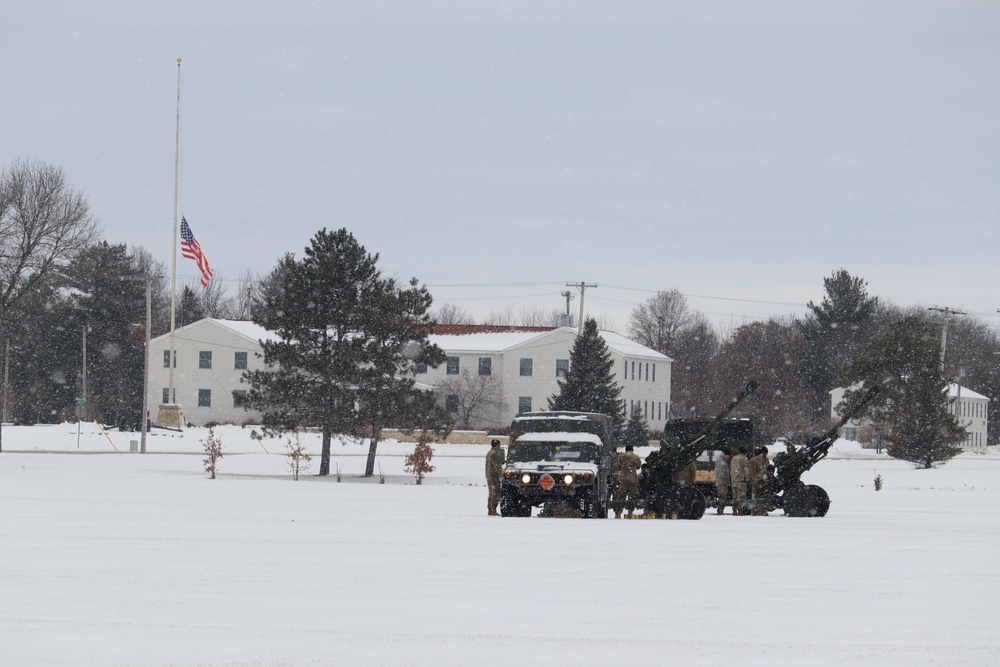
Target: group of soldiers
<point x="744" y="475"/>
<point x="736" y="474"/>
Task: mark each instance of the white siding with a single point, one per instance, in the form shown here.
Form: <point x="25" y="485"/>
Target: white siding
<point x="221" y="379"/>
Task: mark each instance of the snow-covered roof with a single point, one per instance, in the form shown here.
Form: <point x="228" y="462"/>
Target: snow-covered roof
<point x="966" y="393"/>
<point x="501" y="341"/>
<point x="243" y="328"/>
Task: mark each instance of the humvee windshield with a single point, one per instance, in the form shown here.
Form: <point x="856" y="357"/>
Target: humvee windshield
<point x="526" y="452"/>
<point x="559" y="425"/>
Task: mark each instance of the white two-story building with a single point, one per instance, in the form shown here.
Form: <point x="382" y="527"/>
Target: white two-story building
<point x="524" y="365"/>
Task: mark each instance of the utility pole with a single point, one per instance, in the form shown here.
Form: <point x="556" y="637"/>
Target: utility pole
<point x="569" y="297"/>
<point x="145" y="365"/>
<point x="583" y="288"/>
<point x="947" y="312"/>
<point x="83" y="405"/>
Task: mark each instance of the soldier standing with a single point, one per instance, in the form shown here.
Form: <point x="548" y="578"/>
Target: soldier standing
<point x="758" y="479"/>
<point x="722" y="481"/>
<point x="494" y="468"/>
<point x="625" y="481"/>
<point x="738" y="475"/>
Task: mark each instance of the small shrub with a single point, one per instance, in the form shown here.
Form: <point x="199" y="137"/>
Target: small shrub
<point x="298" y="458"/>
<point x="213" y="452"/>
<point x="419" y="462"/>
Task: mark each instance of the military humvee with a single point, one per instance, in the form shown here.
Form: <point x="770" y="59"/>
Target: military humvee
<point x="560" y="461"/>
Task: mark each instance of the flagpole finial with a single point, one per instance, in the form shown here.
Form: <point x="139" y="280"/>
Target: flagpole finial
<point x="178" y="61"/>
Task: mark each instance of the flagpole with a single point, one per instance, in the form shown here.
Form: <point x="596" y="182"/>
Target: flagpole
<point x="173" y="271"/>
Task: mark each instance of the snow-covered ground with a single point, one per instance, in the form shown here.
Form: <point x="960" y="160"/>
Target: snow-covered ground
<point x="131" y="559"/>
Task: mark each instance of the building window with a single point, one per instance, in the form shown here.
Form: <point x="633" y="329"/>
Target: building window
<point x="647" y="371"/>
<point x="166" y="396"/>
<point x="240" y="361"/>
<point x="526" y="369"/>
<point x="452" y="366"/>
<point x="654" y="372"/>
<point x="451" y="402"/>
<point x="485" y="366"/>
<point x="562" y="367"/>
<point x="419" y="369"/>
<point x="633" y="370"/>
<point x="524" y="403"/>
<point x="166" y="358"/>
<point x="205" y="359"/>
<point x="204" y="398"/>
<point x="239" y="398"/>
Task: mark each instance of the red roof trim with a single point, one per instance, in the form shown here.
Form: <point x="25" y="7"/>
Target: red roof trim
<point x="461" y="329"/>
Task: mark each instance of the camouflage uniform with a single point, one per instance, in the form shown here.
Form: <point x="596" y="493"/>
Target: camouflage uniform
<point x="738" y="475"/>
<point x="687" y="475"/>
<point x="494" y="467"/>
<point x="722" y="482"/>
<point x="758" y="480"/>
<point x="624" y="482"/>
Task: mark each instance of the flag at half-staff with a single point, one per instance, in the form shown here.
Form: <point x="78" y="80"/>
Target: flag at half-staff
<point x="191" y="250"/>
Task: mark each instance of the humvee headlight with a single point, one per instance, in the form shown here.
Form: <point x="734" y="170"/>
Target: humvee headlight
<point x="525" y="478"/>
<point x="568" y="480"/>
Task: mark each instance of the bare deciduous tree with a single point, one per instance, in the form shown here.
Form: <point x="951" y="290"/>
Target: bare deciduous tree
<point x="656" y="322"/>
<point x="449" y="314"/>
<point x="247" y="287"/>
<point x="43" y="223"/>
<point x="478" y="399"/>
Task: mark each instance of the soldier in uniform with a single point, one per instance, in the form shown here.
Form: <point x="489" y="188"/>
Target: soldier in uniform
<point x="758" y="480"/>
<point x="494" y="467"/>
<point x="722" y="481"/>
<point x="625" y="481"/>
<point x="739" y="474"/>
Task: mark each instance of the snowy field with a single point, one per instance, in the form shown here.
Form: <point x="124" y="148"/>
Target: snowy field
<point x="131" y="559"/>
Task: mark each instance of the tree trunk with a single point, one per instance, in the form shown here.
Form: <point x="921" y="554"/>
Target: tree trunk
<point x="324" y="459"/>
<point x="370" y="465"/>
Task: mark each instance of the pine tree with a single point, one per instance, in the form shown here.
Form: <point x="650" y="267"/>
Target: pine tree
<point x="346" y="338"/>
<point x="590" y="385"/>
<point x="912" y="409"/>
<point x="636" y="430"/>
<point x="836" y="330"/>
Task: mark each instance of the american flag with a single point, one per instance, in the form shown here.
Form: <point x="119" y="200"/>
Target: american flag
<point x="191" y="250"/>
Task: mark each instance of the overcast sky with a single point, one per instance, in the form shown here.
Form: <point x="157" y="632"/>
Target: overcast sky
<point x="736" y="150"/>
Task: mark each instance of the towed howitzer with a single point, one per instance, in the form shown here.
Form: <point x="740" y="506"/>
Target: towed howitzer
<point x="800" y="499"/>
<point x="661" y="490"/>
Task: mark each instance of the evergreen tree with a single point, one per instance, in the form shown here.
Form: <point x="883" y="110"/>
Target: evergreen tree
<point x="344" y="337"/>
<point x="189" y="307"/>
<point x="836" y="330"/>
<point x="396" y="339"/>
<point x="110" y="302"/>
<point x="912" y="409"/>
<point x="636" y="430"/>
<point x="590" y="385"/>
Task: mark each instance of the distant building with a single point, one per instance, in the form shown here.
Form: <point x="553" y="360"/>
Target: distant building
<point x="210" y="356"/>
<point x="524" y="364"/>
<point x="528" y="362"/>
<point x="972" y="410"/>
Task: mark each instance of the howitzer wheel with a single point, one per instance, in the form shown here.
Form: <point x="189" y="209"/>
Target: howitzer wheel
<point x="806" y="501"/>
<point x="690" y="503"/>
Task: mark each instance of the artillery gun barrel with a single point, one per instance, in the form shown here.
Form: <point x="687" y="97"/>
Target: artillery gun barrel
<point x="819" y="447"/>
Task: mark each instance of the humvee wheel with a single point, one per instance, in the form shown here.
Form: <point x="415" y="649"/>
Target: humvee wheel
<point x="510" y="505"/>
<point x="690" y="503"/>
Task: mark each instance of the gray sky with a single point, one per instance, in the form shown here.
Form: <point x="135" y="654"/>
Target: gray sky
<point x="736" y="150"/>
